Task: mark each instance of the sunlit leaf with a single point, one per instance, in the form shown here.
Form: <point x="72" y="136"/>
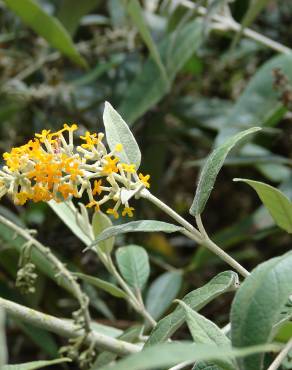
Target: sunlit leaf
<point x="118" y="132"/>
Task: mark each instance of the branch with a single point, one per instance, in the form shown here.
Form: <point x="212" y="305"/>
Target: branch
<point x="66" y="329"/>
<point x="58" y="266"/>
<point x="228" y="23"/>
<point x="281" y="356"/>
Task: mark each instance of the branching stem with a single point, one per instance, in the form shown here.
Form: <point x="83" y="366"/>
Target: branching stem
<point x="66" y="329"/>
<point x="59" y="267"/>
<point x="200" y="236"/>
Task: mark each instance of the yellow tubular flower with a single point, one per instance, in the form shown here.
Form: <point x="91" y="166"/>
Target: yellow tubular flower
<point x="144" y="180"/>
<point x="110" y="166"/>
<point x="97" y="187"/>
<point x="113" y="212"/>
<point x="43" y="136"/>
<point x="90" y="139"/>
<point x="50" y="166"/>
<point x="128" y="211"/>
<point x="131" y="168"/>
<point x="93" y="204"/>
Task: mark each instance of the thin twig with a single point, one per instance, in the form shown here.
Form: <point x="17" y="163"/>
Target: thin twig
<point x="228" y="23"/>
<point x="58" y="266"/>
<point x="66" y="329"/>
<point x="181" y="365"/>
<point x="200" y="236"/>
<point x="281" y="356"/>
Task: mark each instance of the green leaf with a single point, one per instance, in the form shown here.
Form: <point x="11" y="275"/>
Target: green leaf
<point x="136" y="13"/>
<point x="278" y="205"/>
<point x="147" y="226"/>
<point x="130" y="335"/>
<point x="258" y="304"/>
<point x="170" y="354"/>
<point x="205" y="331"/>
<point x="259" y="104"/>
<point x="162" y="292"/>
<point x="254" y="9"/>
<point x="211" y="169"/>
<point x="3" y="347"/>
<point x="69" y="215"/>
<point x="46" y="26"/>
<point x="285" y="332"/>
<point x="35" y="364"/>
<point x="118" y="132"/>
<point x="224" y="282"/>
<point x="71" y="11"/>
<point x="133" y="264"/>
<point x="149" y="86"/>
<point x="101" y="222"/>
<point x="102" y="284"/>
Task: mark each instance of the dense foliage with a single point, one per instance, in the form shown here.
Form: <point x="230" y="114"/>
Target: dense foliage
<point x="123" y="126"/>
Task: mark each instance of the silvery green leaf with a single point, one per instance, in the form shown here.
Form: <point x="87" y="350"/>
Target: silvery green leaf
<point x="211" y="169"/>
<point x="102" y="284"/>
<point x="258" y="305"/>
<point x="162" y="292"/>
<point x="205" y="331"/>
<point x="118" y="132"/>
<point x="277" y="203"/>
<point x="101" y="222"/>
<point x="224" y="282"/>
<point x="163" y="356"/>
<point x="133" y="263"/>
<point x="136" y="226"/>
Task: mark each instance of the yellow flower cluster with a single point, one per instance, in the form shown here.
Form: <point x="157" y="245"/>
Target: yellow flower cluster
<point x="51" y="167"/>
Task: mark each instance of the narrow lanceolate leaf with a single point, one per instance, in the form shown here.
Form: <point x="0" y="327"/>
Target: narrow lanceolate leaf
<point x="147" y="226"/>
<point x="35" y="364"/>
<point x="162" y="292"/>
<point x="169" y="354"/>
<point x="133" y="263"/>
<point x="150" y="86"/>
<point x="136" y="13"/>
<point x="205" y="331"/>
<point x="118" y="132"/>
<point x="101" y="222"/>
<point x="224" y="282"/>
<point x="46" y="26"/>
<point x="102" y="284"/>
<point x="258" y="305"/>
<point x="211" y="169"/>
<point x="3" y="347"/>
<point x="278" y="205"/>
